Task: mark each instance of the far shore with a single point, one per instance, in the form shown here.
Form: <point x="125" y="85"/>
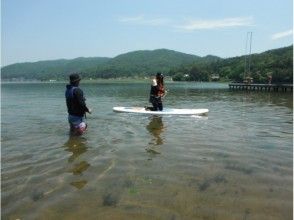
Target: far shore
<point x="100" y="80"/>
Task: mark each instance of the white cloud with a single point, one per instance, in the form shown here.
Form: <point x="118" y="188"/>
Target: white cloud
<point x="279" y="35"/>
<point x="142" y="20"/>
<point x="131" y="19"/>
<point x="216" y="24"/>
<point x="190" y="25"/>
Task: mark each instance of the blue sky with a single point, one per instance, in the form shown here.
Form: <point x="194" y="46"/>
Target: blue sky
<point x="33" y="30"/>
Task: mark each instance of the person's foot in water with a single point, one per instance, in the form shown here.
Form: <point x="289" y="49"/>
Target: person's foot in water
<point x="148" y="108"/>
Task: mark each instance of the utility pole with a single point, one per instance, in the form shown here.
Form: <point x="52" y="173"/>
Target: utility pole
<point x="249" y="63"/>
<point x="247" y="56"/>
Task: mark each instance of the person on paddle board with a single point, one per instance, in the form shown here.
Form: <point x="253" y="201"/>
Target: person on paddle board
<point x="157" y="92"/>
<point x="76" y="105"/>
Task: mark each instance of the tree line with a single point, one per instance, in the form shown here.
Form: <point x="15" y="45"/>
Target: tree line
<point x="277" y="63"/>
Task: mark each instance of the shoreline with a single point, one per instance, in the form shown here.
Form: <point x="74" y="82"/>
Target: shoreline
<point x="112" y="80"/>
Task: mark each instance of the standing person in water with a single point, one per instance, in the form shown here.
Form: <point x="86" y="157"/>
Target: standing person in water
<point x="157" y="92"/>
<point x="76" y="105"/>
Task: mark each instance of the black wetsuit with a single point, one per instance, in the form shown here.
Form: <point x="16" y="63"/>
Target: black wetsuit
<point x="155" y="100"/>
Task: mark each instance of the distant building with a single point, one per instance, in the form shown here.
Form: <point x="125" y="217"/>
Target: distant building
<point x="248" y="80"/>
<point x="214" y="77"/>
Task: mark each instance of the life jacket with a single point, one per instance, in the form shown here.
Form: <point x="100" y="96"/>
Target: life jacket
<point x="160" y="90"/>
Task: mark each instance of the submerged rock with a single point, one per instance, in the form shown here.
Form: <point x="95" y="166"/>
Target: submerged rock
<point x="239" y="168"/>
<point x="152" y="151"/>
<point x="37" y="195"/>
<point x="79" y="184"/>
<point x="214" y="180"/>
<point x="204" y="185"/>
<point x="110" y="200"/>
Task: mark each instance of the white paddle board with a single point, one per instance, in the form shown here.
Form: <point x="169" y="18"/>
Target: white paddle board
<point x="165" y="111"/>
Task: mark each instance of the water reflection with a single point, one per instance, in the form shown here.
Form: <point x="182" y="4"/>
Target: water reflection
<point x="155" y="128"/>
<point x="77" y="146"/>
<point x="273" y="98"/>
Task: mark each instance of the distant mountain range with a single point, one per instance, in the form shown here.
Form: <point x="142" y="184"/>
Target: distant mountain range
<point x="133" y="64"/>
<point x="136" y="63"/>
<point x="51" y="69"/>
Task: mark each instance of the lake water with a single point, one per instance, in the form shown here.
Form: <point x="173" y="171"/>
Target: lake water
<point x="236" y="163"/>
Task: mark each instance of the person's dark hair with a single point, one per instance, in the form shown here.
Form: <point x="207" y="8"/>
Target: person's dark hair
<point x="159" y="75"/>
<point x="74" y="79"/>
<point x="159" y="78"/>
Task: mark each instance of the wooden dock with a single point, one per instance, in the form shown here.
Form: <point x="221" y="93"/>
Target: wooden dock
<point x="261" y="87"/>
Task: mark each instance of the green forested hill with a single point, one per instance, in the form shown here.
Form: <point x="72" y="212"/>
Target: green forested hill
<point x="137" y="63"/>
<point x="53" y="69"/>
<point x="278" y="63"/>
<point x="143" y="63"/>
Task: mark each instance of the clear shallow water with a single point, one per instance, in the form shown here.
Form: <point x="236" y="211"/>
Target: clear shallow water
<point x="234" y="164"/>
